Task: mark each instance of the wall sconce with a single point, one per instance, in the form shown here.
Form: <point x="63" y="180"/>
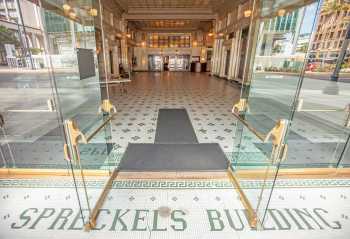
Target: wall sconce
<point x="281" y="12"/>
<point x="93" y="12"/>
<point x="143" y="44"/>
<point x="247" y="13"/>
<point x="66" y="7"/>
<point x="210" y="34"/>
<point x="128" y="35"/>
<point x="194" y="43"/>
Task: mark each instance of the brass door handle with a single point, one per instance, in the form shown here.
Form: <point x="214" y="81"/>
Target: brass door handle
<point x="277" y="133"/>
<point x="107" y="107"/>
<point x="240" y="106"/>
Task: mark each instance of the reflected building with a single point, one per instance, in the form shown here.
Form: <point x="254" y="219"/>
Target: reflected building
<point x="27" y="29"/>
<point x="330" y="33"/>
<point x="281" y="44"/>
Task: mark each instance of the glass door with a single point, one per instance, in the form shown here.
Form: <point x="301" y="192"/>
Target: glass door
<point x="86" y="115"/>
<point x="267" y="102"/>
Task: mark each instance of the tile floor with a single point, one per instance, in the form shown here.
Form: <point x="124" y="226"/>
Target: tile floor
<point x="208" y="102"/>
<point x="48" y="208"/>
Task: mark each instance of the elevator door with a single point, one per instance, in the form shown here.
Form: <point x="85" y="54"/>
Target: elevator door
<point x="179" y="62"/>
<point x="155" y="63"/>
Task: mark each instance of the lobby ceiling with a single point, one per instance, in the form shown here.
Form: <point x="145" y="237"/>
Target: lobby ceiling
<point x="171" y="25"/>
<point x="214" y="5"/>
<point x="173" y="15"/>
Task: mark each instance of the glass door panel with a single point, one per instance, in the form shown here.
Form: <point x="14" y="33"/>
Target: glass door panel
<point x="85" y="114"/>
<point x="268" y="97"/>
<point x="320" y="129"/>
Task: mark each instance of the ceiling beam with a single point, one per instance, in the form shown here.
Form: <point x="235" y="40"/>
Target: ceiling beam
<point x="169" y="14"/>
<point x="168" y="17"/>
<point x="154" y="29"/>
<point x="170" y="10"/>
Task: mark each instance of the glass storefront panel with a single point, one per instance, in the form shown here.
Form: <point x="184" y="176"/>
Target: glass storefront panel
<point x="30" y="136"/>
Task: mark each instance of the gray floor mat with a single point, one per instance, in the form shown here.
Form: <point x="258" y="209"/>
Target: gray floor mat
<point x="174" y="126"/>
<point x="174" y="157"/>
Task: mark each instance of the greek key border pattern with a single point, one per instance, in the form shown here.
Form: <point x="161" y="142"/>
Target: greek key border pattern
<point x="172" y="184"/>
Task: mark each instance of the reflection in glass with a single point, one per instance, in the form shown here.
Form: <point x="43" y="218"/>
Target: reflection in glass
<point x="31" y="135"/>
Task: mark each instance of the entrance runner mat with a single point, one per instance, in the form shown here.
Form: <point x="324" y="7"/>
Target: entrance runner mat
<point x="174" y="126"/>
<point x="144" y="209"/>
<point x="173" y="157"/>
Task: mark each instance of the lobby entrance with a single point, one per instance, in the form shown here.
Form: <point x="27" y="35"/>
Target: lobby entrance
<point x="111" y="138"/>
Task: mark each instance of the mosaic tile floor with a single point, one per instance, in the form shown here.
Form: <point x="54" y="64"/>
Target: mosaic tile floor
<point x="208" y="103"/>
<point x="174" y="209"/>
